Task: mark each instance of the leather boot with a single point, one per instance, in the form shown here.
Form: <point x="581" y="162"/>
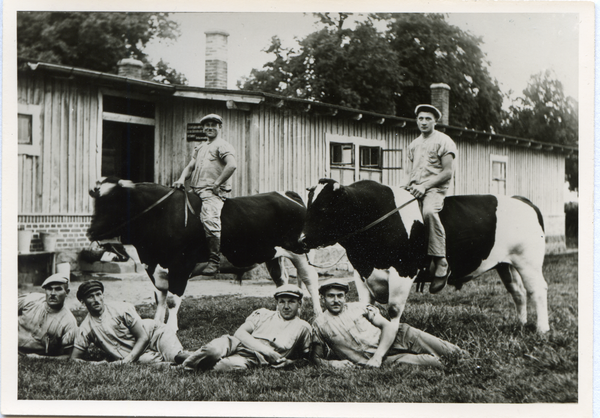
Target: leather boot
<point x="214" y="245"/>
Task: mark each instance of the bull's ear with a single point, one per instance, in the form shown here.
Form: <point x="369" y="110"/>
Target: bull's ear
<point x="311" y="189"/>
<point x="336" y="186"/>
<point x="126" y="184"/>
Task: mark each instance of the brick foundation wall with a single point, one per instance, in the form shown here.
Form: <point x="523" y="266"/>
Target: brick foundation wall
<point x="70" y="230"/>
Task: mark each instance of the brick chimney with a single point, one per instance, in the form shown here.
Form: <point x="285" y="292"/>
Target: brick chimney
<point x="440" y="98"/>
<point x="130" y="67"/>
<point x="215" y="67"/>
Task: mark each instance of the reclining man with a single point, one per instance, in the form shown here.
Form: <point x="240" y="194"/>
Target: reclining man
<point x="117" y="329"/>
<point x="46" y="327"/>
<point x="267" y="338"/>
<point x="358" y="334"/>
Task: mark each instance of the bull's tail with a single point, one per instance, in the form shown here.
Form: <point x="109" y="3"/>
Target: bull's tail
<point x="537" y="210"/>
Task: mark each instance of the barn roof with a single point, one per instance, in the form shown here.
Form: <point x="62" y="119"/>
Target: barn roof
<point x="242" y="100"/>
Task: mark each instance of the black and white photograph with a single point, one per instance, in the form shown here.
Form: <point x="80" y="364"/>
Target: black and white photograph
<point x="298" y="210"/>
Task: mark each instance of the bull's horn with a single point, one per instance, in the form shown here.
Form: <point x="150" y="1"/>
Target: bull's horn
<point x="126" y="184"/>
<point x="336" y="186"/>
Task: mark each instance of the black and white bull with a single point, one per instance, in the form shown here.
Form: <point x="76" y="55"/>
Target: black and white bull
<point x="255" y="229"/>
<point x="483" y="232"/>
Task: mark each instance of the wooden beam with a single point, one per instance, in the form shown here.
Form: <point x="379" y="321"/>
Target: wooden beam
<point x="117" y="117"/>
<point x="232" y="105"/>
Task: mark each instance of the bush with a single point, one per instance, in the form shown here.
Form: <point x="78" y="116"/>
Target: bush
<point x="572" y="223"/>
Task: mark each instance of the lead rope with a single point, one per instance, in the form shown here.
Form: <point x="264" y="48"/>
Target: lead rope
<point x="363" y="229"/>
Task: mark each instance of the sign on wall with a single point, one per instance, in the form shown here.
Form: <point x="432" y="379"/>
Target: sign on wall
<point x="195" y="132"/>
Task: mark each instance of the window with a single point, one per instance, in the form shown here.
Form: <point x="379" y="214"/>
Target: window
<point x="28" y="126"/>
<point x="498" y="174"/>
<point x="370" y="157"/>
<point x="353" y="158"/>
<point x="25" y="129"/>
<point x="342" y="154"/>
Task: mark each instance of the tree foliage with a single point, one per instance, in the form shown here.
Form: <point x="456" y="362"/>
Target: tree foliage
<point x="544" y="113"/>
<point x="387" y="72"/>
<point x="430" y="50"/>
<point x="333" y="65"/>
<point x="94" y="40"/>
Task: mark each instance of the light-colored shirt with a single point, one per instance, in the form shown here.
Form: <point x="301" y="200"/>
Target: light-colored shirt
<point x="210" y="162"/>
<point x="111" y="332"/>
<point x="349" y="334"/>
<point x="290" y="338"/>
<point x="42" y="330"/>
<point x="426" y="155"/>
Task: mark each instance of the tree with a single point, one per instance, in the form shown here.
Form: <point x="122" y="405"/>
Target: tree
<point x="94" y="41"/>
<point x="432" y="51"/>
<point x="334" y="65"/>
<point x="386" y="72"/>
<point x="545" y="114"/>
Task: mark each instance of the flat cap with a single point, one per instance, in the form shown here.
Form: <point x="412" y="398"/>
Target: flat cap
<point x="289" y="290"/>
<point x="335" y="283"/>
<point x="428" y="108"/>
<point x="88" y="287"/>
<point x="211" y="117"/>
<point x="56" y="278"/>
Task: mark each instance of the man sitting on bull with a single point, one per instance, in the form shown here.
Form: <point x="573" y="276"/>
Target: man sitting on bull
<point x="432" y="155"/>
<point x="212" y="165"/>
<point x="267" y="338"/>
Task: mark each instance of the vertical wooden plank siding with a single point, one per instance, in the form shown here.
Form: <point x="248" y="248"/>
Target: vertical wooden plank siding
<point x="56" y="181"/>
<point x="277" y="149"/>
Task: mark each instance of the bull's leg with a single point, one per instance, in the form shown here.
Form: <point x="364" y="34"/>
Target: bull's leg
<point x="513" y="283"/>
<point x="364" y="294"/>
<point x="173" y="312"/>
<point x="537" y="291"/>
<point x="161" y="284"/>
<point x="275" y="271"/>
<point x="306" y="274"/>
<point x="388" y="286"/>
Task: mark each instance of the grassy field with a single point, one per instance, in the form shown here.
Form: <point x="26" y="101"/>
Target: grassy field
<point x="507" y="363"/>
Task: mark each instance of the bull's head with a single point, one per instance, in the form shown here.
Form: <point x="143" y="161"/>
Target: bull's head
<point x="326" y="214"/>
<point x="111" y="199"/>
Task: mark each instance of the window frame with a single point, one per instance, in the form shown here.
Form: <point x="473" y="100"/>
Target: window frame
<point x="357" y="143"/>
<point x="34" y="111"/>
<point x="503" y="159"/>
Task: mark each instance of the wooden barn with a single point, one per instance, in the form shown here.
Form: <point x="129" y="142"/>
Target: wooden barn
<point x="77" y="125"/>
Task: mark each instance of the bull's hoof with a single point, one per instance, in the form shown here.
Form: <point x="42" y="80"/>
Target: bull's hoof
<point x="438" y="283"/>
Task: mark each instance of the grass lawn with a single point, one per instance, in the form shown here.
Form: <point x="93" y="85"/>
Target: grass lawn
<point x="507" y="363"/>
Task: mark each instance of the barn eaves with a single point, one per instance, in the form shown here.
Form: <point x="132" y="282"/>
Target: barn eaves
<point x="243" y="100"/>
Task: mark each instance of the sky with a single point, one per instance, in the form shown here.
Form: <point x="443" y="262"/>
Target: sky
<point x="517" y="45"/>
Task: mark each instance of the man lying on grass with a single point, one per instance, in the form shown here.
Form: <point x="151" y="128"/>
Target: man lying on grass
<point x="46" y="327"/>
<point x="358" y="334"/>
<point x="117" y="329"/>
<point x="267" y="338"/>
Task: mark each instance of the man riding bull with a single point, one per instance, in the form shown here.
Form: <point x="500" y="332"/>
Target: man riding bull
<point x="211" y="168"/>
<point x="432" y="155"/>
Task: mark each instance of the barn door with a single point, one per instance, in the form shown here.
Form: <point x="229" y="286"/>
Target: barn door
<point x="128" y="138"/>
